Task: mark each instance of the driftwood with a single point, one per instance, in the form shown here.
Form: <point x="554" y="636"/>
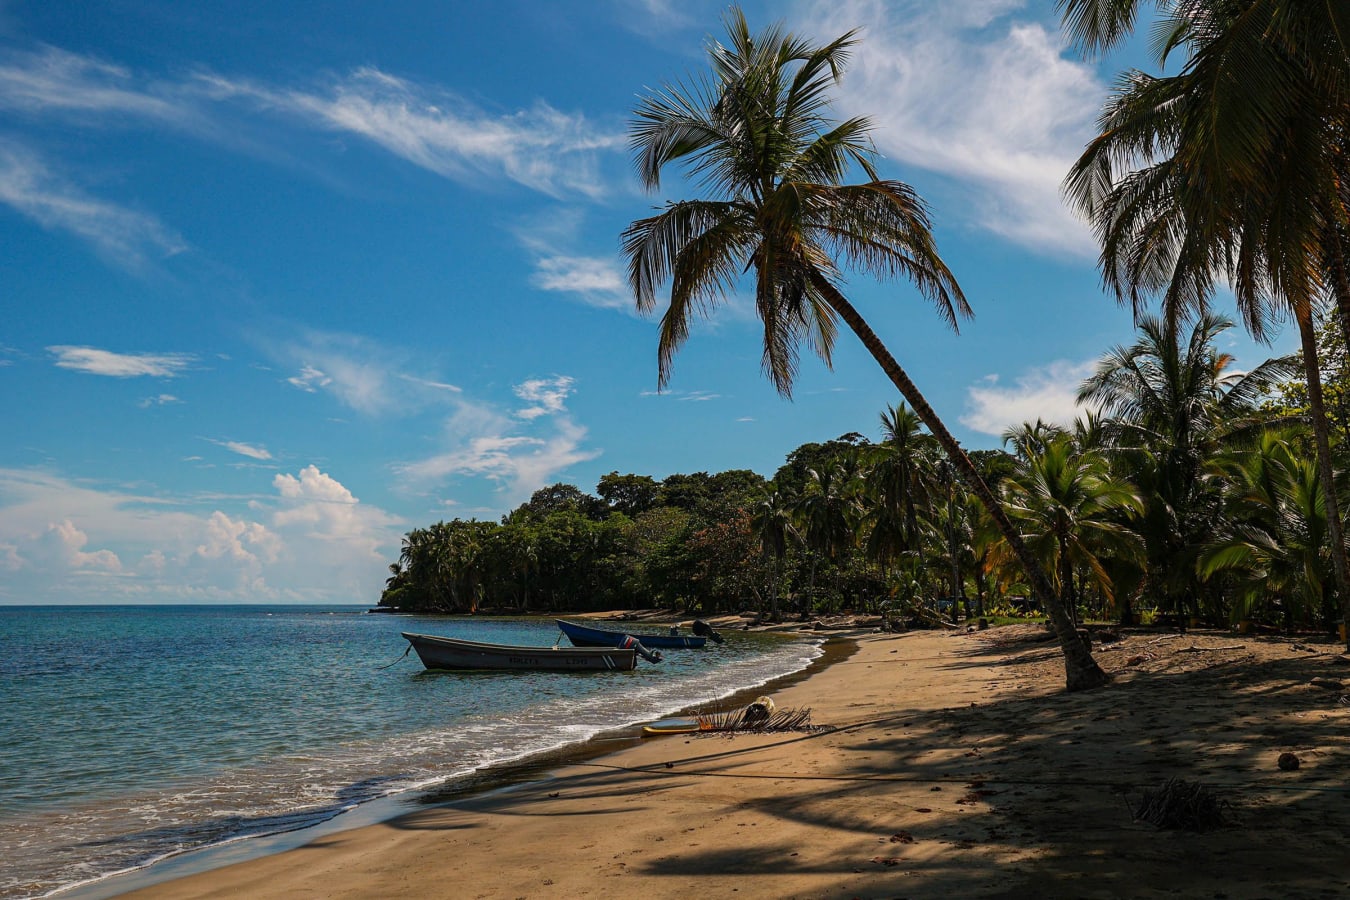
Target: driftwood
<point x="1181" y="805"/>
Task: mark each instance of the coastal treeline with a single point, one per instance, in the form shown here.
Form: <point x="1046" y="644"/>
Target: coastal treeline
<point x="1191" y="489"/>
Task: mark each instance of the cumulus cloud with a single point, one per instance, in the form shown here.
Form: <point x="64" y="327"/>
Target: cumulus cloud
<point x="981" y="92"/>
<point x="69" y="542"/>
<point x="94" y="361"/>
<point x="1046" y="393"/>
<point x="311" y="540"/>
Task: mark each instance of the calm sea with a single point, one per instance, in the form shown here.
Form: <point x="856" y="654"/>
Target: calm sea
<point x="134" y="734"/>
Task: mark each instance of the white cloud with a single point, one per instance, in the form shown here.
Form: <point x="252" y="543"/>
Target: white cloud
<point x="69" y="542"/>
<point x="252" y="451"/>
<point x="310" y="379"/>
<point x="1047" y="393"/>
<point x="226" y="538"/>
<point x="595" y="281"/>
<point x="540" y="147"/>
<point x="160" y="400"/>
<point x="120" y="365"/>
<point x="312" y="540"/>
<point x="122" y="236"/>
<point x="362" y="374"/>
<point x="549" y="395"/>
<point x="683" y="396"/>
<point x="483" y="443"/>
<point x="981" y="92"/>
<point x="55" y="81"/>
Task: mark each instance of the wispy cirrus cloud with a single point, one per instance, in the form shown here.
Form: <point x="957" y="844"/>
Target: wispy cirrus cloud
<point x="540" y="147"/>
<point x="252" y="451"/>
<point x="362" y="374"/>
<point x="594" y="280"/>
<point x="51" y="81"/>
<point x="683" y="396"/>
<point x="126" y="237"/>
<point x="1048" y="393"/>
<point x="94" y="361"/>
<point x="982" y="92"/>
<point x="520" y="452"/>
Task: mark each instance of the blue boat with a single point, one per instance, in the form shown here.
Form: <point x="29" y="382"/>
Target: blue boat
<point x="587" y="636"/>
<point x="438" y="652"/>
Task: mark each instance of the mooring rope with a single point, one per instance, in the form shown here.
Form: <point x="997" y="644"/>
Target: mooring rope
<point x="395" y="662"/>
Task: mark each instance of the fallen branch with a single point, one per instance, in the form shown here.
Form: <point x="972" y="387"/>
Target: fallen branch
<point x="1194" y="649"/>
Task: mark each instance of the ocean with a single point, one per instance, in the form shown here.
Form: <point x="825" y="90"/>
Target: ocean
<point x="134" y="734"/>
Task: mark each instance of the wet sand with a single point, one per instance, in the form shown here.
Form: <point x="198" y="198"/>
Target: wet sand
<point x="953" y="764"/>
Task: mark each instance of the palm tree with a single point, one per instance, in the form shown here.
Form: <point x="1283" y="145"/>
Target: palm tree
<point x="771" y="521"/>
<point x="898" y="481"/>
<point x="827" y="512"/>
<point x="1237" y="167"/>
<point x="1067" y="500"/>
<point x="757" y="136"/>
<point x="1173" y="401"/>
<point x="1274" y="538"/>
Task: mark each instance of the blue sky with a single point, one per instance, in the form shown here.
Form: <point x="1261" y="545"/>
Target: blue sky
<point x="282" y="281"/>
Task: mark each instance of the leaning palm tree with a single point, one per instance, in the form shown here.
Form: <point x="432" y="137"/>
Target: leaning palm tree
<point x="1237" y="167"/>
<point x="756" y="134"/>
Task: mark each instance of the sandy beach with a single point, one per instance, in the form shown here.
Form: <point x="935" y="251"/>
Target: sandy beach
<point x="950" y="764"/>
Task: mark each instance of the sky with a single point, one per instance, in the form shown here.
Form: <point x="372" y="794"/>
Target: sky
<point x="282" y="281"/>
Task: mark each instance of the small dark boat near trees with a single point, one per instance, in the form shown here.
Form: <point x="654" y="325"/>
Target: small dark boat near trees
<point x="452" y="653"/>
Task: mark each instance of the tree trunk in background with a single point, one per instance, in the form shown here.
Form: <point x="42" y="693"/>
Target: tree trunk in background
<point x="1317" y="412"/>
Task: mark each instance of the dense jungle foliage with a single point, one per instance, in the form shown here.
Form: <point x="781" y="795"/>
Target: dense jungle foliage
<point x="1191" y="490"/>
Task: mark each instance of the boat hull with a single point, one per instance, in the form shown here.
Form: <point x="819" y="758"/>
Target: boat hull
<point x="586" y="636"/>
<point x="452" y="653"/>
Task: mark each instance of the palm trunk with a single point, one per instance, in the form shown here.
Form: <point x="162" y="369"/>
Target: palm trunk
<point x="1322" y="438"/>
<point x="1080" y="669"/>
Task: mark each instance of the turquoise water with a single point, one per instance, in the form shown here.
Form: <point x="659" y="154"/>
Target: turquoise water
<point x="130" y="734"/>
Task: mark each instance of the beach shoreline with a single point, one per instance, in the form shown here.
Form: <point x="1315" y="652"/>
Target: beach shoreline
<point x="955" y="765"/>
<point x="835" y="644"/>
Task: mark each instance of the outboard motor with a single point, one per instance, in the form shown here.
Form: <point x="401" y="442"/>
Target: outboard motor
<point x="651" y="656"/>
<point x="703" y="629"/>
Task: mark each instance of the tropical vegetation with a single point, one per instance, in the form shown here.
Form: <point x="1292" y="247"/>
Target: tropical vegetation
<point x="1186" y="489"/>
<point x="1191" y="493"/>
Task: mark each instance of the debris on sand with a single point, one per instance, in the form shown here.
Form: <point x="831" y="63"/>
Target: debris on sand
<point x="1181" y="805"/>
